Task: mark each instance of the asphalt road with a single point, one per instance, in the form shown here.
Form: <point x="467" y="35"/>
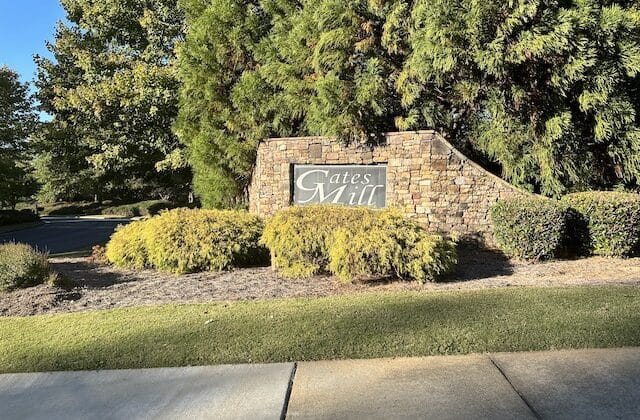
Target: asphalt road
<point x="65" y="235"/>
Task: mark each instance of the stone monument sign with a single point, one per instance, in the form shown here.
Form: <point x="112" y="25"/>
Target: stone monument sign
<point x="351" y="185"/>
<point x="419" y="173"/>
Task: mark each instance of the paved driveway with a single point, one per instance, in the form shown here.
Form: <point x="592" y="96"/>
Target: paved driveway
<point x="65" y="235"/>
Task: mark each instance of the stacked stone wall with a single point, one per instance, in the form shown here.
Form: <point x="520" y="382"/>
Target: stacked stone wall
<point x="427" y="178"/>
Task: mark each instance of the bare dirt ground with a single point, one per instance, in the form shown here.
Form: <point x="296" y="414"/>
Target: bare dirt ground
<point x="102" y="287"/>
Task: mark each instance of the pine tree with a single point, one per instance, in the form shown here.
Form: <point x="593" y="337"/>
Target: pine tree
<point x="546" y="90"/>
<point x="255" y="69"/>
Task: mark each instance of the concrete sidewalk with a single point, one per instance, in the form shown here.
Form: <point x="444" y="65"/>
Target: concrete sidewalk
<point x="549" y="385"/>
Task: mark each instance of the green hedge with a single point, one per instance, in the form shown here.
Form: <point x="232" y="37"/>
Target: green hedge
<point x="532" y="228"/>
<point x="70" y="209"/>
<point x="611" y="221"/>
<point x="143" y="208"/>
<point x="355" y="242"/>
<point x="21" y="266"/>
<point x="12" y="217"/>
<point x="186" y="241"/>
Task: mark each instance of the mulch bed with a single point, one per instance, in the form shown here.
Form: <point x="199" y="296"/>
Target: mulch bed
<point x="102" y="287"/>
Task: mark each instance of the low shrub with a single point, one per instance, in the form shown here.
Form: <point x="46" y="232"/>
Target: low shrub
<point x="531" y="228"/>
<point x="12" y="217"/>
<point x="611" y="219"/>
<point x="299" y="237"/>
<point x="186" y="240"/>
<point x="390" y="245"/>
<point x="355" y="242"/>
<point x="143" y="208"/>
<point x="21" y="266"/>
<point x="61" y="281"/>
<point x="127" y="247"/>
<point x="70" y="209"/>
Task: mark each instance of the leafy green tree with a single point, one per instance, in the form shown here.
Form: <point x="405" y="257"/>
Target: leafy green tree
<point x="549" y="89"/>
<point x="545" y="91"/>
<point x="223" y="36"/>
<point x="112" y="91"/>
<point x="254" y="69"/>
<point x="61" y="165"/>
<point x="18" y="120"/>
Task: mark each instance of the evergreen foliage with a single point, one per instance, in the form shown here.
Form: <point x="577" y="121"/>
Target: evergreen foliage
<point x="188" y="240"/>
<point x="546" y="89"/>
<point x="254" y="69"/>
<point x="611" y="219"/>
<point x="531" y="228"/>
<point x="355" y="243"/>
<point x="300" y="237"/>
<point x="390" y="245"/>
<point x="21" y="266"/>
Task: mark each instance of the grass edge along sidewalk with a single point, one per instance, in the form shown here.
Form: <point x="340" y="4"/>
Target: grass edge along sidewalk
<point x="355" y="326"/>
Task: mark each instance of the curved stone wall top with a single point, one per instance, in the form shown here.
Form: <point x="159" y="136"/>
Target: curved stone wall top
<point x="427" y="178"/>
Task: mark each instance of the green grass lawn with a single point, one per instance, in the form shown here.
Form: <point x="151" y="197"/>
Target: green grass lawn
<point x="355" y="326"/>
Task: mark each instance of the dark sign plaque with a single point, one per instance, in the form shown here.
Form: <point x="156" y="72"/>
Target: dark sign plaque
<point x="351" y="185"/>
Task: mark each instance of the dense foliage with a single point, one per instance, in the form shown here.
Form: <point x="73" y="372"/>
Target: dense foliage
<point x="299" y="238"/>
<point x="530" y="227"/>
<point x="127" y="246"/>
<point x="143" y="208"/>
<point x="12" y="217"/>
<point x="548" y="90"/>
<point x="71" y="209"/>
<point x="611" y="219"/>
<point x="21" y="266"/>
<point x="186" y="241"/>
<point x="112" y="92"/>
<point x="17" y="123"/>
<point x="389" y="244"/>
<point x="355" y="242"/>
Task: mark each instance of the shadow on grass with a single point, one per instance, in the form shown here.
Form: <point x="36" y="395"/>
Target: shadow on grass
<point x="335" y="328"/>
<point x="240" y="333"/>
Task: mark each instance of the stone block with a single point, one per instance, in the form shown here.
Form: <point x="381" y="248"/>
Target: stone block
<point x="315" y="151"/>
<point x="438" y="165"/>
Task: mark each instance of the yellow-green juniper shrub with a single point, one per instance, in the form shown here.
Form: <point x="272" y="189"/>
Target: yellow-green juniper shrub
<point x="189" y="240"/>
<point x="127" y="248"/>
<point x="355" y="242"/>
<point x="299" y="237"/>
<point x="389" y="244"/>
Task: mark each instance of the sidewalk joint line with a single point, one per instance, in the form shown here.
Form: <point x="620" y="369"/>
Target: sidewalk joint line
<point x="287" y="396"/>
<point x="533" y="411"/>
